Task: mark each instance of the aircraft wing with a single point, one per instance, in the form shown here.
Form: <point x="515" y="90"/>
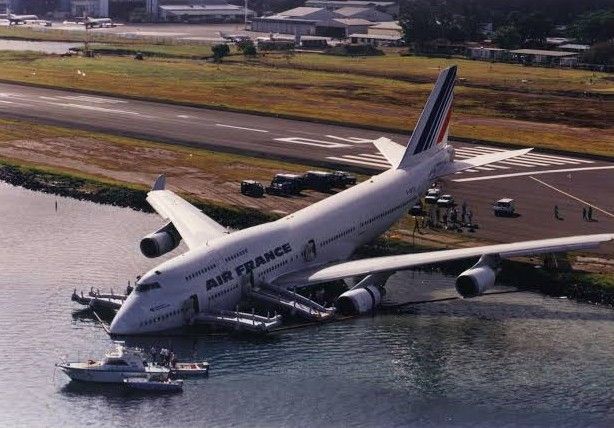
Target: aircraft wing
<point x="406" y="261"/>
<point x="194" y="227"/>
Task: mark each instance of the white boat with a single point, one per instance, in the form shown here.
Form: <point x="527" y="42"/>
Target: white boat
<point x="152" y="385"/>
<point x="181" y="370"/>
<point x="119" y="364"/>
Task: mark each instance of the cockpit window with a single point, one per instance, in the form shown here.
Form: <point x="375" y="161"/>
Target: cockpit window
<point x="141" y="288"/>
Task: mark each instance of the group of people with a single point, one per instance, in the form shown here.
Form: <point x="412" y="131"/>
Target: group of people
<point x="447" y="218"/>
<point x="587" y="213"/>
<point x="164" y="357"/>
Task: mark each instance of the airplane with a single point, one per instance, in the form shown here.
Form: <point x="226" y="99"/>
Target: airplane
<point x="20" y="19"/>
<point x="313" y="245"/>
<point x="98" y="22"/>
<point x="235" y="38"/>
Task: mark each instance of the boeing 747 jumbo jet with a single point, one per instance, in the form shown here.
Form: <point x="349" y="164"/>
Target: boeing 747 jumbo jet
<point x="313" y="245"/>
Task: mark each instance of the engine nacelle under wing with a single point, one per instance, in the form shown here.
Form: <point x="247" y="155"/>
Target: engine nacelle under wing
<point x="160" y="242"/>
<point x="364" y="296"/>
<point x="479" y="278"/>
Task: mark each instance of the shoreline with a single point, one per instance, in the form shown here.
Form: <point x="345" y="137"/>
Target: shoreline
<point x="578" y="285"/>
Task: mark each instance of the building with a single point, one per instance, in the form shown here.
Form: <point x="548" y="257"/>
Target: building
<point x="298" y="21"/>
<point x="487" y="54"/>
<point x="321" y="21"/>
<point x="573" y="47"/>
<point x="92" y="8"/>
<point x="544" y="57"/>
<point x="391" y="28"/>
<point x="389" y="7"/>
<point x="375" y="39"/>
<point x="366" y="13"/>
<point x="203" y="13"/>
<point x="341" y="28"/>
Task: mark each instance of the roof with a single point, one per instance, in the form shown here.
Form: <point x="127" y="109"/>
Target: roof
<point x="299" y="11"/>
<point x="505" y="200"/>
<point x="352" y="3"/>
<point x="574" y="46"/>
<point x="482" y="48"/>
<point x="377" y="37"/>
<point x="542" y="52"/>
<point x="353" y="21"/>
<point x="350" y="11"/>
<point x="390" y="25"/>
<point x="201" y="7"/>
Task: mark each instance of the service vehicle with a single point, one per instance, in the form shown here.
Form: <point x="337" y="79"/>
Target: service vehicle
<point x="286" y="184"/>
<point x="343" y="178"/>
<point x="432" y="195"/>
<point x="504" y="207"/>
<point x="252" y="188"/>
<point x="318" y="180"/>
<point x="445" y="201"/>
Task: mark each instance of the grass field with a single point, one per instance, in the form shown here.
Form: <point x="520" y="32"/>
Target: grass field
<point x="500" y="76"/>
<point x="574" y="124"/>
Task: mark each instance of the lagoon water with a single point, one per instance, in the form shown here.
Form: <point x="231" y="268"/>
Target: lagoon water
<point x="517" y="359"/>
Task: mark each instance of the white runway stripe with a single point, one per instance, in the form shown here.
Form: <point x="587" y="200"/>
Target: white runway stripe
<point x="359" y="162"/>
<point x="380" y="161"/>
<point x="543" y="156"/>
<point x="520" y="174"/>
<point x="484" y="168"/>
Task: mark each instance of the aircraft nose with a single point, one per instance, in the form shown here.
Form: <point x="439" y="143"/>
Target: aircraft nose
<point x="124" y="321"/>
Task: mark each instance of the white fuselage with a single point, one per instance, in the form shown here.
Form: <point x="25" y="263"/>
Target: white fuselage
<point x="214" y="276"/>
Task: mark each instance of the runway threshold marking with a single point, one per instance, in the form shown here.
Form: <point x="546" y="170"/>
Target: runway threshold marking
<point x="571" y="196"/>
<point x="520" y="174"/>
<point x="93" y="108"/>
<point x="241" y="127"/>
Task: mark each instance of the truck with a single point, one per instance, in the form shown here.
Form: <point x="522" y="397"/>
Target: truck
<point x="319" y="180"/>
<point x="252" y="188"/>
<point x="285" y="184"/>
<point x="504" y="207"/>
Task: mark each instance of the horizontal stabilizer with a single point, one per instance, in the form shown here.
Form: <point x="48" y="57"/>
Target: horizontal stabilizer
<point x="393" y="152"/>
<point x="480" y="160"/>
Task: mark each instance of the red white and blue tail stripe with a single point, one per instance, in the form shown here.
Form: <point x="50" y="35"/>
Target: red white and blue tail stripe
<point x="432" y="127"/>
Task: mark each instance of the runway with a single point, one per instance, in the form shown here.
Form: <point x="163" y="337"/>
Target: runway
<point x="574" y="181"/>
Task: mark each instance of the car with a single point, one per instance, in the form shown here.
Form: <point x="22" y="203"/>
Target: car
<point x="285" y="184"/>
<point x="445" y="201"/>
<point x="432" y="195"/>
<point x="252" y="188"/>
<point x="342" y="179"/>
<point x="318" y="180"/>
<point x="504" y="207"/>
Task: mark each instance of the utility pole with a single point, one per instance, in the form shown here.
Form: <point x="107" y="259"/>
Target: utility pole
<point x="245" y="15"/>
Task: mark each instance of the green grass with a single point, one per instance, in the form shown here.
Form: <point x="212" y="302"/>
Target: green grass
<point x="573" y="124"/>
<point x="471" y="73"/>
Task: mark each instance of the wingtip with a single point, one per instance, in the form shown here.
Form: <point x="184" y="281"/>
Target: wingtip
<point x="160" y="183"/>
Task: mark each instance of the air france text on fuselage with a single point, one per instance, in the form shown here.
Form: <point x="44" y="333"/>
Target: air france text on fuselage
<point x="247" y="267"/>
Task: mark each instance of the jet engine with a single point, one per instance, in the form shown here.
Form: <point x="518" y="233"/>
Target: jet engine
<point x="160" y="242"/>
<point x="364" y="296"/>
<point x="479" y="278"/>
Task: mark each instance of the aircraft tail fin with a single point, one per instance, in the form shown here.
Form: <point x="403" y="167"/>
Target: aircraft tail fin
<point x="432" y="127"/>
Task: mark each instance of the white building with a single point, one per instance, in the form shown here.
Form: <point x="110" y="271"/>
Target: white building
<point x="391" y="28"/>
<point x="203" y="13"/>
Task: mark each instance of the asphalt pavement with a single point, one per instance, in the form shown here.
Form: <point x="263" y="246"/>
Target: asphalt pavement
<point x="538" y="181"/>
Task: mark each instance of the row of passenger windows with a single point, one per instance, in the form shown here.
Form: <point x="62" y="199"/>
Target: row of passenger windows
<point x="272" y="268"/>
<point x="200" y="272"/>
<point x="223" y="292"/>
<point x="162" y="317"/>
<point x="384" y="214"/>
<point x="236" y="255"/>
<point x="337" y="236"/>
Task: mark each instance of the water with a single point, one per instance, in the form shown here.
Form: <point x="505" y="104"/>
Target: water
<point x="46" y="47"/>
<point x="506" y="359"/>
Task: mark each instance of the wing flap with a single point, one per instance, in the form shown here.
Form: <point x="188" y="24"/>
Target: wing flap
<point x="406" y="261"/>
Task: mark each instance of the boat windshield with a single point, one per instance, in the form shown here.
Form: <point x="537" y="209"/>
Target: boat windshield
<point x="141" y="288"/>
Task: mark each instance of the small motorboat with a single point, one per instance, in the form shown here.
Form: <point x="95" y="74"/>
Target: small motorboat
<point x="181" y="370"/>
<point x="153" y="384"/>
<point x="117" y="365"/>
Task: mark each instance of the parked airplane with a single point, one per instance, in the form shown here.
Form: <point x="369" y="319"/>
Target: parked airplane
<point x="99" y="23"/>
<point x="235" y="38"/>
<point x="312" y="246"/>
<point x="20" y="19"/>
